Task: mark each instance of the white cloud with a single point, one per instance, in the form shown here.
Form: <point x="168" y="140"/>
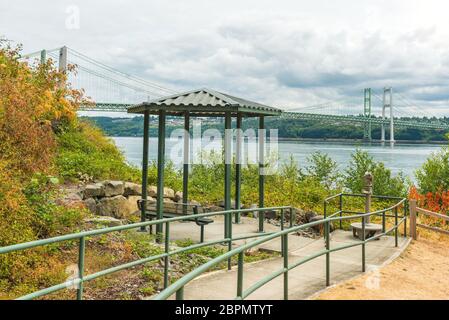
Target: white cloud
<point x="287" y="53"/>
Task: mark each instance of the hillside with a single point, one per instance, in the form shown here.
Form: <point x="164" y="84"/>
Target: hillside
<point x="288" y="128"/>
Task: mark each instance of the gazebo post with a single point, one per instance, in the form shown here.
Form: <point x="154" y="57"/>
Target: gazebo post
<point x="261" y="171"/>
<point x="238" y="161"/>
<point x="186" y="151"/>
<point x="146" y="125"/>
<point x="227" y="164"/>
<point x="160" y="171"/>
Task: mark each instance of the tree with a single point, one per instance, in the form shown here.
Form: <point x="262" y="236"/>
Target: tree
<point x="384" y="182"/>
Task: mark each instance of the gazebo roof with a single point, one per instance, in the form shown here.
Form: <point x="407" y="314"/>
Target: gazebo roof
<point x="204" y="102"/>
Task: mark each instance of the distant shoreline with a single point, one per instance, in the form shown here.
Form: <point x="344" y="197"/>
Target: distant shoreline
<point x="349" y="141"/>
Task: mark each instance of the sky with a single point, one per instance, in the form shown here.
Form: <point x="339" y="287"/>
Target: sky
<point x="286" y="53"/>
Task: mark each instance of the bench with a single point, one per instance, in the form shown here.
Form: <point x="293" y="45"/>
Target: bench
<point x="173" y="210"/>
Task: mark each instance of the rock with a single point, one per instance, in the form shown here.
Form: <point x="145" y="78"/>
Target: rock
<point x="320" y="227"/>
<point x="116" y="207"/>
<point x="132" y="189"/>
<point x="94" y="190"/>
<point x="271" y="214"/>
<point x="113" y="188"/>
<point x="132" y="203"/>
<point x="168" y="193"/>
<point x="91" y="205"/>
<point x="178" y="196"/>
<point x="221" y="203"/>
<point x="108" y="221"/>
<point x="308" y="215"/>
<point x="171" y="206"/>
<point x="152" y="191"/>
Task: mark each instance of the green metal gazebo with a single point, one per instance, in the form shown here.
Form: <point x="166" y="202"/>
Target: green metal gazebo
<point x="202" y="103"/>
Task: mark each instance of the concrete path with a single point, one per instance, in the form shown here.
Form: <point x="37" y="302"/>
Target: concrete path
<point x="304" y="280"/>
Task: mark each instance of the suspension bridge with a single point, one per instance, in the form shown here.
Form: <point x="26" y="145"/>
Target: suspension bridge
<point x="112" y="90"/>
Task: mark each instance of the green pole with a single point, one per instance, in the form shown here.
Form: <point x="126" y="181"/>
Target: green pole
<point x="261" y="169"/>
<point x="81" y="254"/>
<point x="238" y="161"/>
<point x="227" y="189"/>
<point x="185" y="172"/>
<point x="146" y="125"/>
<point x="160" y="171"/>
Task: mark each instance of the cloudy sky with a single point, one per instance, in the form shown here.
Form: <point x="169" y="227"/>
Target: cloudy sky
<point x="288" y="53"/>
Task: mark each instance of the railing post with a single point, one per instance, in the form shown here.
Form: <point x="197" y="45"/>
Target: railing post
<point x="180" y="294"/>
<point x="412" y="208"/>
<point x="328" y="260"/>
<point x="405" y="219"/>
<point x="363" y="244"/>
<point x="282" y="228"/>
<point x="81" y="254"/>
<point x="285" y="255"/>
<point x="229" y="219"/>
<point x="341" y="210"/>
<point x="292" y="217"/>
<point x="383" y="222"/>
<point x="167" y="258"/>
<point x="240" y="276"/>
<point x="396" y="226"/>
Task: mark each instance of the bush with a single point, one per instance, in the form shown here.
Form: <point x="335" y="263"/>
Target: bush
<point x="84" y="150"/>
<point x="433" y="176"/>
<point x="384" y="183"/>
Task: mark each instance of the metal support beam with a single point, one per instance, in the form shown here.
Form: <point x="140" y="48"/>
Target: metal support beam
<point x="160" y="170"/>
<point x="146" y="126"/>
<point x="227" y="164"/>
<point x="238" y="166"/>
<point x="388" y="103"/>
<point x="261" y="171"/>
<point x="367" y="114"/>
<point x="186" y="151"/>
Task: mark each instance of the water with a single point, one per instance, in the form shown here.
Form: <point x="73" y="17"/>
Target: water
<point x="400" y="157"/>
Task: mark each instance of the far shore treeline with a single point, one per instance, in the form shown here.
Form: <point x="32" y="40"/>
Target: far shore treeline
<point x="288" y="128"/>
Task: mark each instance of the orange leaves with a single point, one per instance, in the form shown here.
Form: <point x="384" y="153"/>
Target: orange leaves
<point x="436" y="202"/>
<point x="34" y="104"/>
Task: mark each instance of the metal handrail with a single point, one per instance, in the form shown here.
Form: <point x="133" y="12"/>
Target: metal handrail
<point x="178" y="287"/>
<point x="81" y="236"/>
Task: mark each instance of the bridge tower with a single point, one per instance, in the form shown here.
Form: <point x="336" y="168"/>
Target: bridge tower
<point x="388" y="103"/>
<point x="367" y="114"/>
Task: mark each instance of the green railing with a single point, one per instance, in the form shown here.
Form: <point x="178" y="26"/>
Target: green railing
<point x="81" y="237"/>
<point x="177" y="288"/>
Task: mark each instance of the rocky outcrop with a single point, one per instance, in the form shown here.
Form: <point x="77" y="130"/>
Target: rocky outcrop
<point x="116" y="206"/>
<point x="93" y="191"/>
<point x="132" y="189"/>
<point x="113" y="188"/>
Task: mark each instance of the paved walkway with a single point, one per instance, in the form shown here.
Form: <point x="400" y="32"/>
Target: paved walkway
<point x="304" y="280"/>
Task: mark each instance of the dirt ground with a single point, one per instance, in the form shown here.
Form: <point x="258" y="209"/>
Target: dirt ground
<point x="421" y="272"/>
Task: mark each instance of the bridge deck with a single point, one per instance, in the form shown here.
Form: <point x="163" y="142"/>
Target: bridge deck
<point x="304" y="280"/>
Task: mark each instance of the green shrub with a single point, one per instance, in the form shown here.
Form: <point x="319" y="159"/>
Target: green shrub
<point x="433" y="176"/>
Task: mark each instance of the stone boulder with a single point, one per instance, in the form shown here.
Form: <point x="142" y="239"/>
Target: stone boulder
<point x="132" y="203"/>
<point x="117" y="207"/>
<point x="107" y="221"/>
<point x="320" y="227"/>
<point x="168" y="193"/>
<point x="132" y="189"/>
<point x="94" y="190"/>
<point x="113" y="188"/>
<point x="91" y="205"/>
<point x="178" y="196"/>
